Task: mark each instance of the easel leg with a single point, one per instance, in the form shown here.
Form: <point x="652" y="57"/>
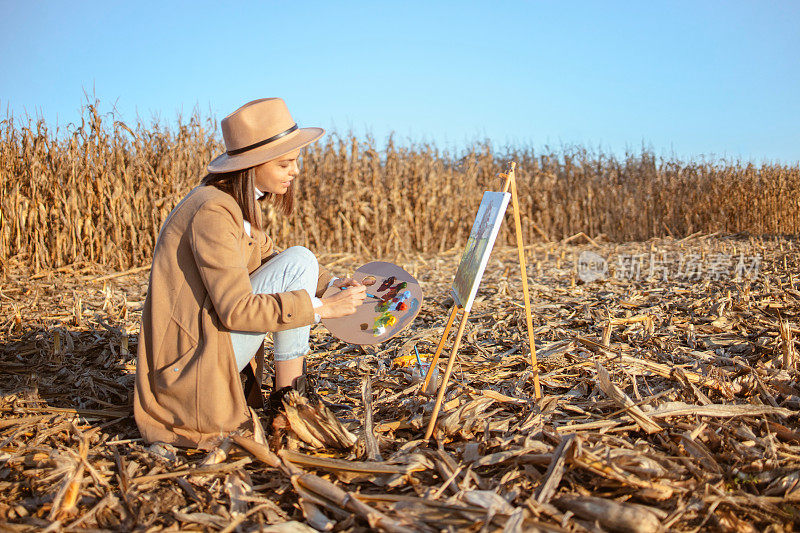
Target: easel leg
<point x="524" y="272"/>
<point x="443" y="387"/>
<point x="450" y="320"/>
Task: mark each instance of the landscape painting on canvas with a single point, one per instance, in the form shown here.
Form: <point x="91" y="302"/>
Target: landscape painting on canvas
<point x="479" y="247"/>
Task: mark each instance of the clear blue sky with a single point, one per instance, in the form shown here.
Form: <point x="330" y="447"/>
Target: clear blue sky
<point x="690" y="78"/>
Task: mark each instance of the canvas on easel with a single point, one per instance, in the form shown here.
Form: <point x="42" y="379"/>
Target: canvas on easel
<point x="470" y="271"/>
<point x="479" y="247"/>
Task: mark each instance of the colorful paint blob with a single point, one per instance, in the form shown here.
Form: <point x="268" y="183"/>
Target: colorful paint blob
<point x="413" y="306"/>
<point x="388" y="282"/>
<point x="393" y="291"/>
<point x="383" y="321"/>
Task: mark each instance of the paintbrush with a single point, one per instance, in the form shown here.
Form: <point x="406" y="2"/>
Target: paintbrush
<point x="368" y="294"/>
<point x="419" y="361"/>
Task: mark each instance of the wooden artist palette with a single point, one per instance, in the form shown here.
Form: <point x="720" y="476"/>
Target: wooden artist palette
<point x="394" y="302"/>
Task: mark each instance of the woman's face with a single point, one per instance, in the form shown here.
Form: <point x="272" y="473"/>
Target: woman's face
<point x="275" y="176"/>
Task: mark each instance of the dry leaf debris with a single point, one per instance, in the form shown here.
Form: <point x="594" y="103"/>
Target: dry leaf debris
<point x="670" y="404"/>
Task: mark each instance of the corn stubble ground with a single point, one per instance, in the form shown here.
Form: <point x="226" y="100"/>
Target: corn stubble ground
<point x="671" y="389"/>
<point x="667" y="404"/>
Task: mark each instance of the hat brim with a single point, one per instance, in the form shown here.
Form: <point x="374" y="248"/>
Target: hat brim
<point x="294" y="141"/>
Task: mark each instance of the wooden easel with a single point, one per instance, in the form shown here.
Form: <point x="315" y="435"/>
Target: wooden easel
<point x="510" y="183"/>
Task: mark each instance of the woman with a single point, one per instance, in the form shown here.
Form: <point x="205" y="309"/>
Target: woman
<point x="217" y="285"/>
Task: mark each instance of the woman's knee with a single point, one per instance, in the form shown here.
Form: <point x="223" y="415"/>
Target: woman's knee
<point x="292" y="269"/>
<point x="300" y="254"/>
<point x="304" y="263"/>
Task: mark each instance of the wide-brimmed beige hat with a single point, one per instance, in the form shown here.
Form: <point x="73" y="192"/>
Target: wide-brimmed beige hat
<point x="257" y="132"/>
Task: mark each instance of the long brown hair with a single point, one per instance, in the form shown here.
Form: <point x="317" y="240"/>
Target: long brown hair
<point x="240" y="184"/>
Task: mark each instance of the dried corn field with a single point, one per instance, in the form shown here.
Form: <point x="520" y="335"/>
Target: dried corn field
<point x="671" y="400"/>
<point x="99" y="191"/>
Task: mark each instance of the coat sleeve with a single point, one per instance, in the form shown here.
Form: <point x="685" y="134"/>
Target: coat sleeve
<point x="214" y="240"/>
<point x="325" y="277"/>
<point x="268" y="248"/>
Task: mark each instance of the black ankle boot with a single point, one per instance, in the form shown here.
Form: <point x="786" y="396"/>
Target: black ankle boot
<point x="303" y="384"/>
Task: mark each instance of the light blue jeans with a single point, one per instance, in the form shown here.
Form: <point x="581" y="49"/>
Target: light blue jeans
<point x="293" y="269"/>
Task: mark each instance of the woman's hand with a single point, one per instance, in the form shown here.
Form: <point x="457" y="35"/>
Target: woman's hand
<point x="343" y="303"/>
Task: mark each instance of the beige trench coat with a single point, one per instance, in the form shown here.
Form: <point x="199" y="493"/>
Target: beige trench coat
<point x="188" y="391"/>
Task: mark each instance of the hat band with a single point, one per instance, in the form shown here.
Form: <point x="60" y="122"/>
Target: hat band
<point x="262" y="143"/>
